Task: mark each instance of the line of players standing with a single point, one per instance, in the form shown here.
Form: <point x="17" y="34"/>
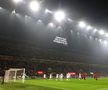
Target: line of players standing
<point x="68" y="76"/>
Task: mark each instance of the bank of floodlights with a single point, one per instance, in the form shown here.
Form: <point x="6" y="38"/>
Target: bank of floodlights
<point x="34" y="6"/>
<point x="60" y="16"/>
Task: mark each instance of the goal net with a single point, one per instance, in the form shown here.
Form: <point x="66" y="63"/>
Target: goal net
<point x="15" y="74"/>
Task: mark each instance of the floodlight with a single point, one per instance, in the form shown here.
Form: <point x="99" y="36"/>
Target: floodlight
<point x="82" y="24"/>
<point x="17" y="1"/>
<point x="0" y="8"/>
<point x="100" y="40"/>
<point x="70" y="20"/>
<point x="34" y="6"/>
<point x="39" y="21"/>
<point x="95" y="30"/>
<point x="13" y="12"/>
<point x="101" y="32"/>
<point x="47" y="11"/>
<point x="106" y="35"/>
<point x="51" y="24"/>
<point x="59" y="16"/>
<point x="105" y="42"/>
<point x="89" y="27"/>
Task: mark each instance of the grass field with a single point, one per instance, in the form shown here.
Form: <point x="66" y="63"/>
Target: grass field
<point x="73" y="84"/>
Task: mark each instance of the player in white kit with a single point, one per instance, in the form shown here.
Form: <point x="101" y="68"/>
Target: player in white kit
<point x="44" y="76"/>
<point x="57" y="76"/>
<point x="50" y="77"/>
<point x="79" y="76"/>
<point x="68" y="76"/>
<point x="61" y="76"/>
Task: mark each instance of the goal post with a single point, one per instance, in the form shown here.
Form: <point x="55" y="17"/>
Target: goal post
<point x="14" y="74"/>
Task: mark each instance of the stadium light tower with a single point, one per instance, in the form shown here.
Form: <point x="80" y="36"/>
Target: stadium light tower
<point x="17" y="1"/>
<point x="101" y="32"/>
<point x="82" y="24"/>
<point x="59" y="16"/>
<point x="34" y="6"/>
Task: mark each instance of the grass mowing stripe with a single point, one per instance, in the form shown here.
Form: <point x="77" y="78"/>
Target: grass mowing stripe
<point x="53" y="87"/>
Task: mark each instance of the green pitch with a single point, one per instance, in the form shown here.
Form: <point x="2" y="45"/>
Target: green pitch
<point x="73" y="84"/>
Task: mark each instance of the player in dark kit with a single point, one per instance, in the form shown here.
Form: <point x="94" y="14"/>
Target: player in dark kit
<point x="95" y="76"/>
<point x="83" y="76"/>
<point x="2" y="73"/>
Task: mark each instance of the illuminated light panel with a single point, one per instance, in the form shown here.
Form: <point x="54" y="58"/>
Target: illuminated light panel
<point x="40" y="72"/>
<point x="34" y="6"/>
<point x="60" y="40"/>
<point x="82" y="24"/>
<point x="59" y="16"/>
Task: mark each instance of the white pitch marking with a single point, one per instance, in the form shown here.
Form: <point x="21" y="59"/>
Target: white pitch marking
<point x="103" y="89"/>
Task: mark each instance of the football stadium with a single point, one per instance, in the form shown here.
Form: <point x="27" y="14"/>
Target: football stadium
<point x="49" y="45"/>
